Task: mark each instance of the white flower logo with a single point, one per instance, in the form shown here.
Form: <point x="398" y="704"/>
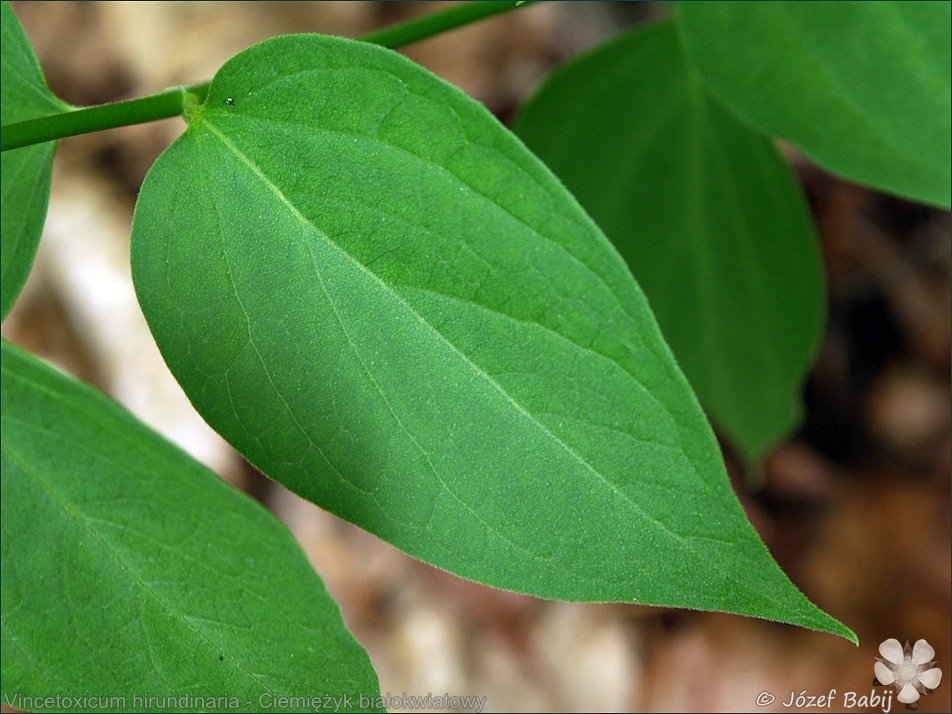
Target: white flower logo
<point x="909" y="669"/>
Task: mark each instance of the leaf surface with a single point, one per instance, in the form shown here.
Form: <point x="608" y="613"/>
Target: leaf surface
<point x="706" y="213"/>
<point x="130" y="569"/>
<point x="862" y="88"/>
<point x="26" y="172"/>
<point x="380" y="297"/>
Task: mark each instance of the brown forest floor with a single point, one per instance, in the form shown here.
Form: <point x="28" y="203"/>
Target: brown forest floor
<point x="855" y="508"/>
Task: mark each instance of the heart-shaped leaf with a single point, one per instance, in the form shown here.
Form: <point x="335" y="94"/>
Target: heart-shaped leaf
<point x="379" y="296"/>
<point x="862" y="88"/>
<point x="707" y="214"/>
<point x="130" y="570"/>
<point x="26" y="172"/>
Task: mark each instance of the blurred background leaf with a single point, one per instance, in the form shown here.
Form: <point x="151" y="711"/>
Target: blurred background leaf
<point x="708" y="216"/>
<point x="862" y="88"/>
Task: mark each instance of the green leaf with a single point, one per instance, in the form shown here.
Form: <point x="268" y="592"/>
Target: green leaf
<point x="707" y="214"/>
<point x="862" y="88"/>
<point x="129" y="569"/>
<point x="26" y="172"/>
<point x="381" y="298"/>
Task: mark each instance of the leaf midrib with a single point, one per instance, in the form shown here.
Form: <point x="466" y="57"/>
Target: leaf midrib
<point x="682" y="541"/>
<point x="603" y="280"/>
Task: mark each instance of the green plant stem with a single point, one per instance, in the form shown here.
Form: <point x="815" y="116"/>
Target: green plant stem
<point x="406" y="33"/>
<point x="167" y="103"/>
<point x="174" y="101"/>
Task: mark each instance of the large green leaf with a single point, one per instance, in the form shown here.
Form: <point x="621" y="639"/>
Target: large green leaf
<point x="131" y="570"/>
<point x="862" y="88"/>
<point x="26" y="172"/>
<point x="381" y="298"/>
<point x="707" y="214"/>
